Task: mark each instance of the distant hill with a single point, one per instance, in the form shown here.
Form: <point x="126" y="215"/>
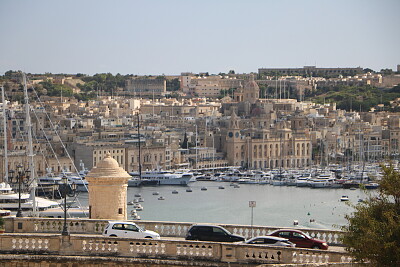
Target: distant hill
<point x="355" y="97"/>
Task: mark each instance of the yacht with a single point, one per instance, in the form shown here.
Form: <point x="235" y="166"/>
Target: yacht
<point x="303" y="180"/>
<point x="9" y="200"/>
<point x="168" y="177"/>
<point x="79" y="181"/>
<point x="323" y="180"/>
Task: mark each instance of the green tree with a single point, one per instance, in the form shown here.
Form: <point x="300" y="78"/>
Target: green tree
<point x="373" y="230"/>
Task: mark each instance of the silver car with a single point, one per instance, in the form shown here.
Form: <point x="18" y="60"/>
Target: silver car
<point x="270" y="241"/>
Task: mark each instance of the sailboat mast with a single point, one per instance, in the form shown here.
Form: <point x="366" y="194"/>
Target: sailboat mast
<point x="30" y="148"/>
<point x="5" y="137"/>
<point x="138" y="132"/>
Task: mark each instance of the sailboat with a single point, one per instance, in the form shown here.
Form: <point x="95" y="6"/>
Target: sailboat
<point x="10" y="200"/>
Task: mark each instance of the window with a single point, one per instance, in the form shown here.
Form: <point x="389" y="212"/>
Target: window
<point x="298" y="236"/>
<point x="284" y="234"/>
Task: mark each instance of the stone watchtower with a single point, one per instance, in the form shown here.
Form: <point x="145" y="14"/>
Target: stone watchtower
<point x="108" y="184"/>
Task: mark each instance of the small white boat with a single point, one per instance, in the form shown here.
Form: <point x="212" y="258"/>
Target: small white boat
<point x="221" y="187"/>
<point x="138" y="207"/>
<point x="295" y="222"/>
<point x="161" y="198"/>
<point x="130" y="202"/>
<point x="344" y="198"/>
<point x="138" y="195"/>
<point x="189" y="190"/>
<point x="141" y="199"/>
<point x="156" y="193"/>
<point x="204" y="188"/>
<point x="175" y="192"/>
<point x="236" y="186"/>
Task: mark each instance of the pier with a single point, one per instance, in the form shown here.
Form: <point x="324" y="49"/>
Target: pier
<point x="42" y="237"/>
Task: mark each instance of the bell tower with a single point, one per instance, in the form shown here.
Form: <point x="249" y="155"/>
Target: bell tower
<point x="233" y="141"/>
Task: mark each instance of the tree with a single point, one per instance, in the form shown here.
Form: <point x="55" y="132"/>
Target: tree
<point x="373" y="230"/>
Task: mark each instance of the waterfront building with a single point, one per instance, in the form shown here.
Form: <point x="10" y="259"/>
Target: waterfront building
<point x="266" y="148"/>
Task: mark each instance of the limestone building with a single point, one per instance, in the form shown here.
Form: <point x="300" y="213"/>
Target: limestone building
<point x="267" y="148"/>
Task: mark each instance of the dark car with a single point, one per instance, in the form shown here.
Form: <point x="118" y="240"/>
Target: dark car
<point x="211" y="233"/>
<point x="301" y="239"/>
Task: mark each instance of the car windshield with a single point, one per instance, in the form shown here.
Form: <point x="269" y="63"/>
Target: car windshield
<point x="220" y="231"/>
<point x="301" y="235"/>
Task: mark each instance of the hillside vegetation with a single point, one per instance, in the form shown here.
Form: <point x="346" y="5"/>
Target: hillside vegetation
<point x="355" y="97"/>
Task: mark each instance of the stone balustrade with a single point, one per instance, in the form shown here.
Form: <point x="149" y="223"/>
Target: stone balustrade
<point x="165" y="229"/>
<point x="85" y="245"/>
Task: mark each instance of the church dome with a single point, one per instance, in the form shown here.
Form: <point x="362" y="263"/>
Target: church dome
<point x="251" y="85"/>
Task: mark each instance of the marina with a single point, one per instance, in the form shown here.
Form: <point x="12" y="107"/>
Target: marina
<point x="276" y="205"/>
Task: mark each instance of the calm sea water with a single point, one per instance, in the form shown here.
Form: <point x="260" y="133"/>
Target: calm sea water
<point x="275" y="205"/>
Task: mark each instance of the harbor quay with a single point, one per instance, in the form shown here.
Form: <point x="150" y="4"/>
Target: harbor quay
<point x="42" y="238"/>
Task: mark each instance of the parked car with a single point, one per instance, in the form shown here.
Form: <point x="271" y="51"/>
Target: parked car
<point x="301" y="239"/>
<point x="128" y="229"/>
<point x="270" y="241"/>
<point x="215" y="233"/>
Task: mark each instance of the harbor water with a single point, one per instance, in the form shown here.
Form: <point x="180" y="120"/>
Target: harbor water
<point x="275" y="205"/>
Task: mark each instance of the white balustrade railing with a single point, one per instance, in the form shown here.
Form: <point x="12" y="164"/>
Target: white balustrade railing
<point x="166" y="229"/>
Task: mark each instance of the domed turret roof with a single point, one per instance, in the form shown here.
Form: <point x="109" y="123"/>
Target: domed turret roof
<point x="108" y="168"/>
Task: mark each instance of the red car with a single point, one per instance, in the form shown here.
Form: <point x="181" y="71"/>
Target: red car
<point x="301" y="239"/>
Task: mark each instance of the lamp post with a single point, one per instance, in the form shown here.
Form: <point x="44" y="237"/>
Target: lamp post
<point x="70" y="191"/>
<point x="19" y="177"/>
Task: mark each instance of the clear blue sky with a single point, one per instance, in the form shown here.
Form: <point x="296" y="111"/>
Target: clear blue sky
<point x="174" y="36"/>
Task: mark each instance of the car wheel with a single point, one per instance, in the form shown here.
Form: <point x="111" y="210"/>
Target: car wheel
<point x="315" y="247"/>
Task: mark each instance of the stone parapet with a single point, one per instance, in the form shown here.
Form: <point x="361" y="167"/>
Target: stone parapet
<point x="89" y="245"/>
<point x="165" y="229"/>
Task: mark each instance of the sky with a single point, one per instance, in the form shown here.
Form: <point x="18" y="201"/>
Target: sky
<point x="154" y="37"/>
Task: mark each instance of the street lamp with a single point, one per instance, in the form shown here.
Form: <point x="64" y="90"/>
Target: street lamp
<point x="19" y="177"/>
<point x="70" y="191"/>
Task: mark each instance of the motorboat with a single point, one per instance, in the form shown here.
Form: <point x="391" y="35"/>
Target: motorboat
<point x="204" y="188"/>
<point x="221" y="187"/>
<point x="138" y="195"/>
<point x="344" y="198"/>
<point x="175" y="192"/>
<point x="138" y="207"/>
<point x="371" y="186"/>
<point x="303" y="180"/>
<point x="130" y="202"/>
<point x="168" y="177"/>
<point x="161" y="198"/>
<point x="323" y="180"/>
<point x="189" y="190"/>
<point x="140" y="199"/>
<point x="156" y="193"/>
